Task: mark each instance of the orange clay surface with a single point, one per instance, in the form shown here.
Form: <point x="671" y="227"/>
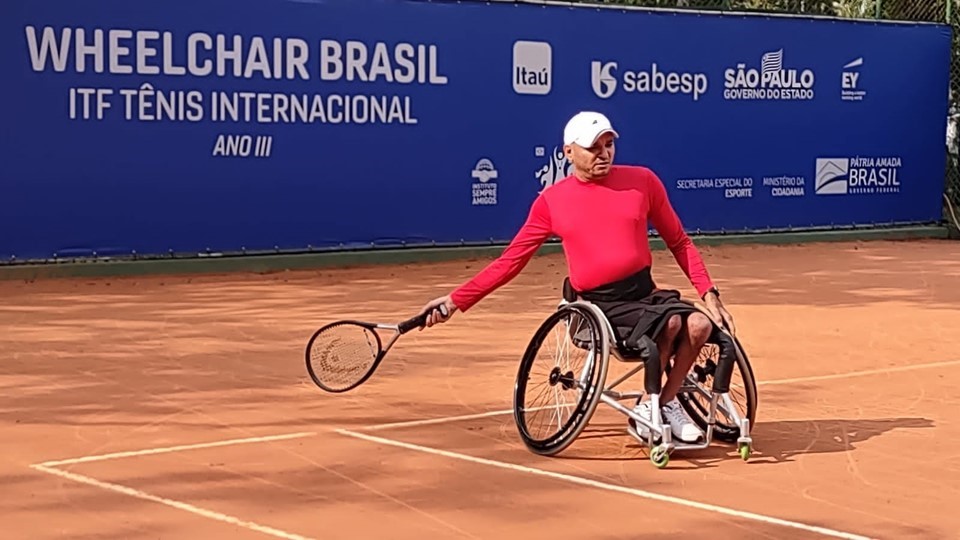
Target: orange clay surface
<point x="856" y="347"/>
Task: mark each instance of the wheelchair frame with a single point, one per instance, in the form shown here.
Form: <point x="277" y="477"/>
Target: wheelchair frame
<point x="648" y="358"/>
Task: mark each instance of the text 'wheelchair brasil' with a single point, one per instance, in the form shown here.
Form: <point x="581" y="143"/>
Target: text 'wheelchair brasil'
<point x="573" y="372"/>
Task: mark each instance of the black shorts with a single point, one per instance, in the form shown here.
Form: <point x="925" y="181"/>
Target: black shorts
<point x="636" y="308"/>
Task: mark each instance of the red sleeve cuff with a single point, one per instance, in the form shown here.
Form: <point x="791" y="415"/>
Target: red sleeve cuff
<point x="460" y="300"/>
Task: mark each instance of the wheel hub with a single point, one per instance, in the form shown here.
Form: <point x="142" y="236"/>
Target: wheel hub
<point x="565" y="379"/>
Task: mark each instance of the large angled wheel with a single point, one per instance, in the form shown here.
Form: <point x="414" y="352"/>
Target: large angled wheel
<point x="560" y="379"/>
<point x="695" y="397"/>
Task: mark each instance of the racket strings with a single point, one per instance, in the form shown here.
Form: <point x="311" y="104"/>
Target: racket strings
<point x="341" y="355"/>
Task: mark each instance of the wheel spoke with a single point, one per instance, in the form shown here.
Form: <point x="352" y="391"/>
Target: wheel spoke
<point x="561" y="365"/>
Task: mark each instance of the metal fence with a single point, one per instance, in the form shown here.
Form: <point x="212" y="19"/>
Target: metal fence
<point x="894" y="10"/>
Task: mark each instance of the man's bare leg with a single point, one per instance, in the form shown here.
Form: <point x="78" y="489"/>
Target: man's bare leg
<point x="667" y="341"/>
<point x="694" y="333"/>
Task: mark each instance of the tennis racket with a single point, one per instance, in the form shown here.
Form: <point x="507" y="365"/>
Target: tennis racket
<point x="344" y="354"/>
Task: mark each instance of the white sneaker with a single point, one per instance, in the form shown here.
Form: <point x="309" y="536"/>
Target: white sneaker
<point x="640" y="431"/>
<point x="682" y="426"/>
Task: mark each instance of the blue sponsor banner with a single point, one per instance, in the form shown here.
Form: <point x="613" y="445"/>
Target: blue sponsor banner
<point x="184" y="126"/>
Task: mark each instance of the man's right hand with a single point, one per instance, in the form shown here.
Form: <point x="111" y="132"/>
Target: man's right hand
<point x="435" y="317"/>
<point x="719" y="313"/>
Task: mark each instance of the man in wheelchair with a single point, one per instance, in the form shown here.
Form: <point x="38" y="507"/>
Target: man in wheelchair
<point x="601" y="214"/>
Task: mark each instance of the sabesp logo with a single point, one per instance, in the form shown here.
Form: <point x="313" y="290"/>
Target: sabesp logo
<point x="602" y="79"/>
<point x="532" y="67"/>
<point x="651" y="81"/>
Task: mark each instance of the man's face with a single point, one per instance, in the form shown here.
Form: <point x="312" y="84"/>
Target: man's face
<point x="594" y="162"/>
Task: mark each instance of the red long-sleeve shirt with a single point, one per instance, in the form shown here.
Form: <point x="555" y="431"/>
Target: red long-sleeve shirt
<point x="603" y="228"/>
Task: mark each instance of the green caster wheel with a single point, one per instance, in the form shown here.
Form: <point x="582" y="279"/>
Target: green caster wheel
<point x="744" y="451"/>
<point x="659" y="457"/>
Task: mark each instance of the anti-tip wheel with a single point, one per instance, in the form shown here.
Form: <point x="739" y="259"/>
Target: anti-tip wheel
<point x="659" y="457"/>
<point x="744" y="450"/>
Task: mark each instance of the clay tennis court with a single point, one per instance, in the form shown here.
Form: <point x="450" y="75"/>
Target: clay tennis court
<point x="175" y="407"/>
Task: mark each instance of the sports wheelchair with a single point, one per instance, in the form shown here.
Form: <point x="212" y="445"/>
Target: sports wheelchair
<point x="581" y="327"/>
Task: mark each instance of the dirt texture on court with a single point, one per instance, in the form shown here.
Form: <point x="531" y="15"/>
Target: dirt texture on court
<point x="855" y="347"/>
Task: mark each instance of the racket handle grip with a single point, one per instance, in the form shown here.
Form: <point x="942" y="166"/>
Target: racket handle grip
<point x="421" y="319"/>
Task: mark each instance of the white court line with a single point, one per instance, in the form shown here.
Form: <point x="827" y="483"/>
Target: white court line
<point x="170" y="502"/>
<point x="852" y="374"/>
<point x="180" y="448"/>
<point x="609" y="487"/>
<point x="49" y="467"/>
<point x="848" y="375"/>
<point x="446" y="419"/>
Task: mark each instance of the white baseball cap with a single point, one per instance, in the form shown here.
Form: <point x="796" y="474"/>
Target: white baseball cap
<point x="584" y="128"/>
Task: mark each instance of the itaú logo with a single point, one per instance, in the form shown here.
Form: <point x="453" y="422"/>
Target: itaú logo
<point x="602" y="78"/>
